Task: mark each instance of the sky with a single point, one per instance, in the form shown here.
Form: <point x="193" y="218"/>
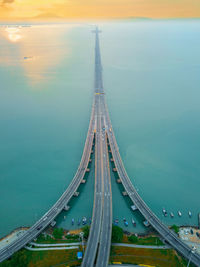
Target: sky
<point x="100" y="9"/>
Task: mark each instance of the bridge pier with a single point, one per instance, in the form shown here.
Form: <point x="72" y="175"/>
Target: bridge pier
<point x="76" y="194"/>
<point x="119" y="181"/>
<point x="146" y="223"/>
<point x="133" y="207"/>
<point x="53" y="223"/>
<point x="114" y="169"/>
<point x="83" y="181"/>
<point x="112" y="160"/>
<point x="66" y="208"/>
<point x="124" y="193"/>
<point x="87" y="170"/>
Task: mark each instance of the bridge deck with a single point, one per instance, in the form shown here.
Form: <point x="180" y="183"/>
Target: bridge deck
<point x="93" y="240"/>
<point x="106" y="227"/>
<point x="101" y="227"/>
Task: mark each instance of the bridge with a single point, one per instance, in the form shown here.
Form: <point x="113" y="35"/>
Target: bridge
<point x="98" y="245"/>
<point x="107" y="132"/>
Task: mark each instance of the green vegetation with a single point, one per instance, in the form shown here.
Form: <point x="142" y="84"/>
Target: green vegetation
<point x="133" y="239"/>
<point x="44" y="239"/>
<point x="25" y="258"/>
<point x="86" y="230"/>
<point x="126" y="255"/>
<point x="148" y="241"/>
<point x="19" y="259"/>
<point x="175" y="228"/>
<point x="117" y="234"/>
<point x="143" y="256"/>
<point x="58" y="233"/>
<point x="72" y="237"/>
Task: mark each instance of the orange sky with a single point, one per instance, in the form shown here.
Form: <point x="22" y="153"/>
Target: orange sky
<point x="29" y="9"/>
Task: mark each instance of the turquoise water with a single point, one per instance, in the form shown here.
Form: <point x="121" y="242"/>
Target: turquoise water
<point x="151" y="78"/>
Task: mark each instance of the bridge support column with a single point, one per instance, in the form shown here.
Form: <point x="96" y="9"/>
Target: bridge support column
<point x="66" y="207"/>
<point x="76" y="194"/>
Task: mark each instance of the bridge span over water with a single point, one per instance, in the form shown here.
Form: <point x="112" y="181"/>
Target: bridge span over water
<point x="98" y="245"/>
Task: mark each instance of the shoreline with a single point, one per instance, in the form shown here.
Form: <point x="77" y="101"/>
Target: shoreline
<point x="78" y="230"/>
<point x="14" y="231"/>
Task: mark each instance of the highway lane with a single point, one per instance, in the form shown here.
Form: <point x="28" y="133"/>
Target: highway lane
<point x="106" y="224"/>
<point x="106" y="227"/>
<point x="162" y="229"/>
<point x="93" y="240"/>
<point x="49" y="216"/>
<point x="101" y="227"/>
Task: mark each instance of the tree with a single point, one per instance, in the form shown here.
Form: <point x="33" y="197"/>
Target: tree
<point x="117" y="234"/>
<point x="58" y="233"/>
<point x="86" y="230"/>
<point x="175" y="228"/>
<point x="18" y="259"/>
<point x="133" y="239"/>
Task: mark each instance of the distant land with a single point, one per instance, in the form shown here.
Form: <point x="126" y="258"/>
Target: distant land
<point x="52" y="17"/>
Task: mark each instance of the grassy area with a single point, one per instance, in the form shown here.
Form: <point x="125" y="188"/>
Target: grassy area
<point x="154" y="257"/>
<point x="61" y="258"/>
<point x="43" y="259"/>
<point x="42" y="239"/>
<point x="148" y="241"/>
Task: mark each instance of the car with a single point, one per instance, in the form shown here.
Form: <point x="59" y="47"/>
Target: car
<point x="39" y="227"/>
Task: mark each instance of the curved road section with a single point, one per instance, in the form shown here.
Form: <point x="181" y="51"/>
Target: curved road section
<point x="48" y="217"/>
<point x="162" y="229"/>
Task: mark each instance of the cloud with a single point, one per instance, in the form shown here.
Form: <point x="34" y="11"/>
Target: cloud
<point x="7" y="1"/>
<point x="23" y="9"/>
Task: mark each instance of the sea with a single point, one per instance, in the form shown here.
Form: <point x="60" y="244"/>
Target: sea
<point x="151" y="73"/>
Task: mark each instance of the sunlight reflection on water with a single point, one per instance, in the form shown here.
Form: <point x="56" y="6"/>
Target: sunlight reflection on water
<point x="36" y="49"/>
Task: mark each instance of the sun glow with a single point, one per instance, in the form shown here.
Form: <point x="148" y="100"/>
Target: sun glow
<point x="69" y="9"/>
<point x="13" y="34"/>
<point x="33" y="49"/>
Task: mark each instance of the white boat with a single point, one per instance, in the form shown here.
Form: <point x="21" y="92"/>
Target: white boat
<point x="172" y="214"/>
<point x="164" y="212"/>
<point x="133" y="222"/>
<point x="179" y="213"/>
<point x="190" y="213"/>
